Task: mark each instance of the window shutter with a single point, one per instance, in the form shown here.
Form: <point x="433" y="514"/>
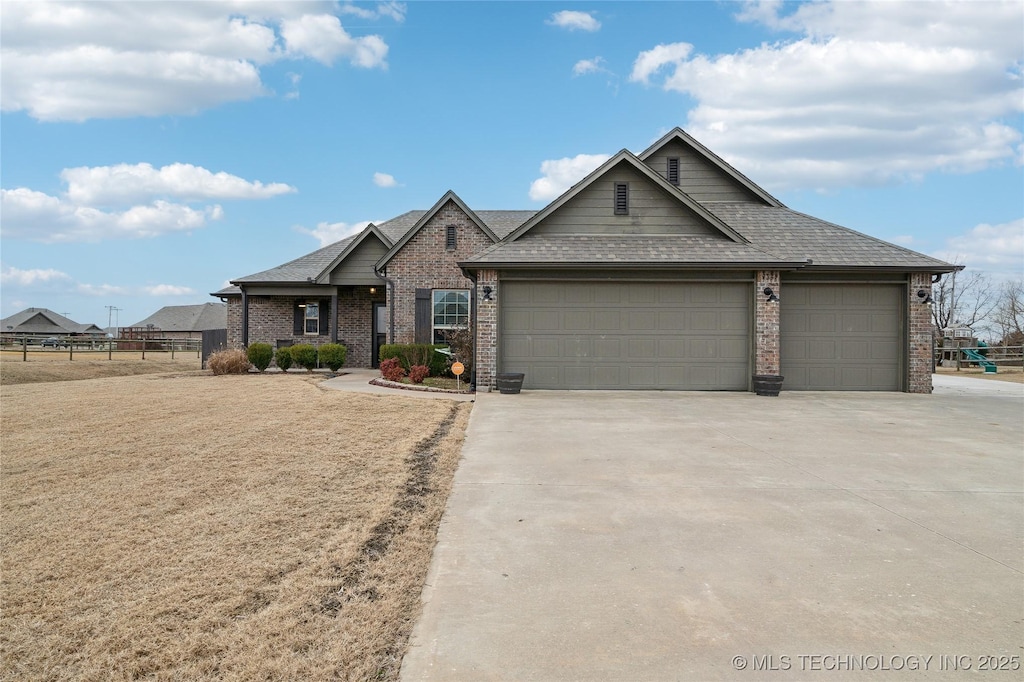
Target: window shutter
<point x="621" y="198"/>
<point x="325" y="316"/>
<point x="300" y="320"/>
<point x="424" y="328"/>
<point x="673" y="170"/>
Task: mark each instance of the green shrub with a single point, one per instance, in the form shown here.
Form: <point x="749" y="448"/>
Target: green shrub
<point x="410" y="354"/>
<point x="260" y="355"/>
<point x="283" y="358"/>
<point x="333" y="355"/>
<point x="391" y="369"/>
<point x="231" y="361"/>
<point x="304" y="355"/>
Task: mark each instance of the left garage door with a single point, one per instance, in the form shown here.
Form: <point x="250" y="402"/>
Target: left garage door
<point x="627" y="335"/>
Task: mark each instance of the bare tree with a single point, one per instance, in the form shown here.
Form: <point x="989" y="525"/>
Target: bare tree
<point x="1009" y="314"/>
<point x="963" y="298"/>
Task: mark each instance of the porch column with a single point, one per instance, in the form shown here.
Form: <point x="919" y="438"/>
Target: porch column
<point x="767" y="359"/>
<point x="919" y="335"/>
<point x="245" y="318"/>
<point x="486" y="328"/>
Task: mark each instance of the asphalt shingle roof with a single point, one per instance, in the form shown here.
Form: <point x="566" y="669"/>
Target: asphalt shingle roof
<point x="188" y="318"/>
<point x="300" y="269"/>
<point x="44" y="321"/>
<point x="589" y="250"/>
<point x="796" y="236"/>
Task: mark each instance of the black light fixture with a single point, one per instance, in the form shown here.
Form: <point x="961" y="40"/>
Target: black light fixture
<point x="772" y="298"/>
<point x="487" y="293"/>
<point x="926" y="298"/>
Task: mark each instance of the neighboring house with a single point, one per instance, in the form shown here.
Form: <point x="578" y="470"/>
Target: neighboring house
<point x="664" y="270"/>
<point x="184" y="321"/>
<point x="44" y="322"/>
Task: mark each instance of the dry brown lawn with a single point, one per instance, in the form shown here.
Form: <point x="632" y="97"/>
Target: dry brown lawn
<point x="54" y="365"/>
<point x="1012" y="374"/>
<point x="200" y="527"/>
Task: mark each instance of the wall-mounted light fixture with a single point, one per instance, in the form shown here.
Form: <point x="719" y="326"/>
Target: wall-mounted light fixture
<point x="373" y="290"/>
<point x="772" y="298"/>
<point x="487" y="293"/>
<point x="926" y="298"/>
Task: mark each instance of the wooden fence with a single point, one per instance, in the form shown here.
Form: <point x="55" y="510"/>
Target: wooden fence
<point x="69" y="345"/>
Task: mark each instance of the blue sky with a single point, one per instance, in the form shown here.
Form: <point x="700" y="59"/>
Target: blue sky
<point x="153" y="151"/>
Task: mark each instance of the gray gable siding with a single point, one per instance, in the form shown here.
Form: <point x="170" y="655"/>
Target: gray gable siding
<point x="357" y="268"/>
<point x="651" y="211"/>
<point x="698" y="177"/>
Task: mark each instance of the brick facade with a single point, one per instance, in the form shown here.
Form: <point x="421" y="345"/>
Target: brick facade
<point x="766" y="319"/>
<point x="486" y="329"/>
<point x="919" y="335"/>
<point x="272" y="319"/>
<point x="425" y="263"/>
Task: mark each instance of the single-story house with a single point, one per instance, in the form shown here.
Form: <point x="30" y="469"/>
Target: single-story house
<point x="184" y="321"/>
<point x="44" y="322"/>
<point x="667" y="269"/>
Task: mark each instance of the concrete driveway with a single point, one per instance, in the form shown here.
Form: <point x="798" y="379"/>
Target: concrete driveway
<point x="704" y="536"/>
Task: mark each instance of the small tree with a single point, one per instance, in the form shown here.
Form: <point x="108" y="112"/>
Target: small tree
<point x="1009" y="316"/>
<point x="963" y="298"/>
<point x="284" y="358"/>
<point x="333" y="355"/>
<point x="304" y="355"/>
<point x="260" y="355"/>
<point x="460" y="341"/>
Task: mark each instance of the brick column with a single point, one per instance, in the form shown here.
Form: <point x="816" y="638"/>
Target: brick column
<point x="919" y="335"/>
<point x="767" y="323"/>
<point x="486" y="329"/>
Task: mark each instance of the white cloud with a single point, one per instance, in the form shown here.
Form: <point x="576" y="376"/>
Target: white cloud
<point x="328" y="233"/>
<point x="575" y="21"/>
<point x="168" y="290"/>
<point x="40" y="217"/>
<point x="27" y="278"/>
<point x="80" y="60"/>
<point x="125" y="183"/>
<point x="998" y="249"/>
<point x="392" y="10"/>
<point x="322" y="37"/>
<point x="585" y="66"/>
<point x="384" y="180"/>
<point x="872" y="93"/>
<point x="103" y="290"/>
<point x="561" y="174"/>
<point x="651" y="61"/>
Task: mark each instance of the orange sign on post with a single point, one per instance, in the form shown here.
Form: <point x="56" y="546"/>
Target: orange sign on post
<point x="457" y="369"/>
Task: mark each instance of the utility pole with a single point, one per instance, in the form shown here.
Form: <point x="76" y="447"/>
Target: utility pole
<point x="111" y="312"/>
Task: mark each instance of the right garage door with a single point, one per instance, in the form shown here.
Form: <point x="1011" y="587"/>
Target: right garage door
<point x="841" y="337"/>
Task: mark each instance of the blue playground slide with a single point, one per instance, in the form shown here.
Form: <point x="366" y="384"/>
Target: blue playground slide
<point x="975" y="356"/>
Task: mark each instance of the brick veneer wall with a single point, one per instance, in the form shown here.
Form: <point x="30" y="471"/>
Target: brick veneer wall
<point x="271" y="318"/>
<point x="766" y="316"/>
<point x="425" y="263"/>
<point x="919" y="335"/>
<point x="486" y="329"/>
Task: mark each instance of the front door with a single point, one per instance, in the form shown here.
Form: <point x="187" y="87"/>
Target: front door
<point x="380" y="332"/>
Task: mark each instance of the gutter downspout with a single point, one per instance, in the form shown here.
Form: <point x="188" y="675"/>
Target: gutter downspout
<point x="471" y="276"/>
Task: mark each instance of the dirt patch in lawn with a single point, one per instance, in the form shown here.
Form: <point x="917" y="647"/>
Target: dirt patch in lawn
<point x="1011" y="374"/>
<point x="47" y="366"/>
<point x="200" y="527"/>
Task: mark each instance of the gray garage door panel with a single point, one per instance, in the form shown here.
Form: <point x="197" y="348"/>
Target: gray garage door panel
<point x="616" y="335"/>
<point x="841" y="337"/>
